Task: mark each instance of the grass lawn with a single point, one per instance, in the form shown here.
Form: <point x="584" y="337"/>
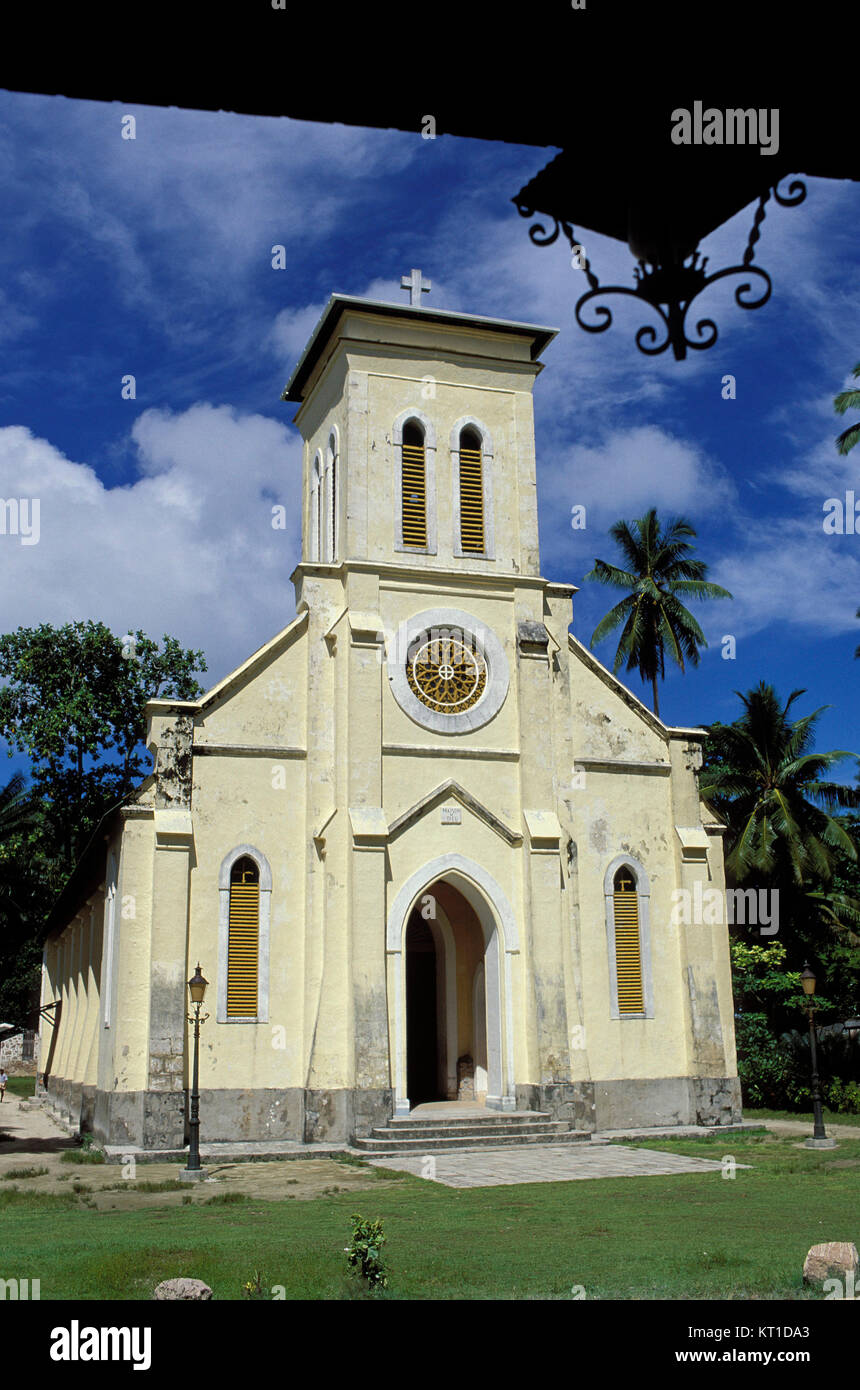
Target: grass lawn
<point x="687" y="1236"/>
<point x="22" y="1087"/>
<point x="831" y="1117"/>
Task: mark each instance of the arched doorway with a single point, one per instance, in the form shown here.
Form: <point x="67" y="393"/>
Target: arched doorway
<point x="446" y="1014"/>
<point x="422" y="1047"/>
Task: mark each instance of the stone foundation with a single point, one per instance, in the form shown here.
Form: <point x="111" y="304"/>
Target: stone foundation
<point x="674" y="1100"/>
<point x="158" y="1120"/>
<point x="717" y="1100"/>
<point x="66" y="1098"/>
<point x="563" y="1100"/>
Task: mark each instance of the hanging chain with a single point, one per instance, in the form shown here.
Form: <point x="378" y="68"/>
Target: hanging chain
<point x="755" y="233"/>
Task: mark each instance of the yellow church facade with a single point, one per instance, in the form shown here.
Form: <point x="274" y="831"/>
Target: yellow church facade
<point x="423" y="845"/>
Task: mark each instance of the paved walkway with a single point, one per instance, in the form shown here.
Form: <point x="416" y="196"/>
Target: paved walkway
<point x="544" y="1163"/>
<point x="804" y="1128"/>
<point x="26" y="1129"/>
<point x="34" y="1132"/>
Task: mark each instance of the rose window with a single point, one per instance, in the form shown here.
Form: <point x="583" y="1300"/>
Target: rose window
<point x="445" y="673"/>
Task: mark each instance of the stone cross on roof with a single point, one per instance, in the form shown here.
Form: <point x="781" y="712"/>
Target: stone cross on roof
<point x="416" y="286"/>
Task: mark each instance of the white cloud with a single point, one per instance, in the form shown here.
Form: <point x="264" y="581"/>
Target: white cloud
<point x="188" y="548"/>
<point x="291" y="330"/>
<point x="632" y="470"/>
<point x="791" y="574"/>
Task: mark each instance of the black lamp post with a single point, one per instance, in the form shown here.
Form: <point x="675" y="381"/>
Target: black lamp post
<point x="819" y="1138"/>
<point x="851" y="1026"/>
<point x="197" y="989"/>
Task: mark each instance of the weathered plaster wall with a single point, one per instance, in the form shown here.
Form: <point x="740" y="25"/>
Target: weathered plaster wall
<point x="305" y="755"/>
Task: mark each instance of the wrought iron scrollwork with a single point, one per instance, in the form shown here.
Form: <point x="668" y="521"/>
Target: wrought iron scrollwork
<point x="796" y="194"/>
<point x="675" y="287"/>
<point x="670" y="289"/>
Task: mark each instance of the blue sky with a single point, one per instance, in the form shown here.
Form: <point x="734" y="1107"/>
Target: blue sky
<point x="153" y="257"/>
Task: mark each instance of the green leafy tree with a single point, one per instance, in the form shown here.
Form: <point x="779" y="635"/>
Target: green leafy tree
<point x="73" y="701"/>
<point x="763" y="987"/>
<point x="660" y="575"/>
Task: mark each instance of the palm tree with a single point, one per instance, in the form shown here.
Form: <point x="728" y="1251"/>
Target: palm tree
<point x="760" y="776"/>
<point x="660" y="568"/>
<point x="848" y="400"/>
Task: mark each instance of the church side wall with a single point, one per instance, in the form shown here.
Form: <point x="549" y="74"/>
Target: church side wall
<point x="61" y="1026"/>
<point x="72" y="961"/>
<point x="251" y="1072"/>
<point x="635" y="787"/>
<point x="87" y="1062"/>
<point x="629" y="814"/>
<point x="707" y="966"/>
<point x="124" y="1043"/>
<point x="249" y="790"/>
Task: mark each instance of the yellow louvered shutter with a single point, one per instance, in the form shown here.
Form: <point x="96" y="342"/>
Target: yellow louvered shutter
<point x="471" y="501"/>
<point x="244" y="940"/>
<point x="414" y="496"/>
<point x="628" y="960"/>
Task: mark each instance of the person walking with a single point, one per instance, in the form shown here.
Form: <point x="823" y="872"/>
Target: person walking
<point x="3" y="1079"/>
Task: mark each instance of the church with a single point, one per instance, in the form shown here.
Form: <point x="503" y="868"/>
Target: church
<point x="423" y="845"/>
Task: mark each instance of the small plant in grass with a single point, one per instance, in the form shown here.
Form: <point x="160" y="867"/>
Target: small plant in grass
<point x="88" y="1155"/>
<point x="25" y="1173"/>
<point x="187" y="1199"/>
<point x="226" y="1199"/>
<point x="364" y="1253"/>
<point x="255" y="1290"/>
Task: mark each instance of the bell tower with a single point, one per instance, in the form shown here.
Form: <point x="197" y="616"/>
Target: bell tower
<point x="418" y="438"/>
<point x="436" y="659"/>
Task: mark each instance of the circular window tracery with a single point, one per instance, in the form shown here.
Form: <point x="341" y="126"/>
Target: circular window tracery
<point x="446" y="672"/>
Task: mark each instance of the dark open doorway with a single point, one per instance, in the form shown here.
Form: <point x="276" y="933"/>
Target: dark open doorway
<point x="422" y="1046"/>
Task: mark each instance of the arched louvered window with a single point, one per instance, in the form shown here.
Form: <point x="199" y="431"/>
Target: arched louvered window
<point x="414" y="486"/>
<point x="331" y="537"/>
<point x="471" y="493"/>
<point x="628" y="954"/>
<point x="243" y="945"/>
<point x="316" y="510"/>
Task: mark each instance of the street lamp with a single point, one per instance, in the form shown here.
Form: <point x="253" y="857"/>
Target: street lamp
<point x="851" y="1026"/>
<point x="197" y="989"/>
<point x="819" y="1138"/>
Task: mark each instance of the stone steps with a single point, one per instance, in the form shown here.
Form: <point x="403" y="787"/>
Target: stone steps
<point x="406" y="1134"/>
<point x="511" y="1119"/>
